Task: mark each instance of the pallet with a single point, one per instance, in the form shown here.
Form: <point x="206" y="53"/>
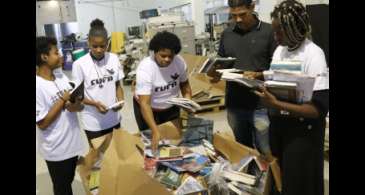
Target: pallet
<point x="215" y="104"/>
<point x="210" y="101"/>
<point x="212" y="108"/>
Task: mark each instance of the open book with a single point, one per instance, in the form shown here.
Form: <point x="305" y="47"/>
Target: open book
<point x="239" y="78"/>
<point x="77" y="92"/>
<point x="185" y="103"/>
<point x="212" y="63"/>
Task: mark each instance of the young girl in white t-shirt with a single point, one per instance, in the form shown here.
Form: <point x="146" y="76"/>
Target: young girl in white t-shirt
<point x="160" y="77"/>
<point x="59" y="132"/>
<point x="101" y="72"/>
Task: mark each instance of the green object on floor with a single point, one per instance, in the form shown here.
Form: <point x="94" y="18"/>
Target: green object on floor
<point x="78" y="54"/>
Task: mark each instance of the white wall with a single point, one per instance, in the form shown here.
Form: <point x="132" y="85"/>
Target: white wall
<point x="54" y="12"/>
<point x="126" y="12"/>
<point x="265" y="7"/>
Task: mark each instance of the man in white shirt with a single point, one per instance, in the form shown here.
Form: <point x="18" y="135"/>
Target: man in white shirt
<point x="160" y="77"/>
<point x="59" y="138"/>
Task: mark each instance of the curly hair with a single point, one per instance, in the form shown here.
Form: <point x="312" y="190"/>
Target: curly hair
<point x="165" y="40"/>
<point x="294" y="20"/>
<point x="43" y="46"/>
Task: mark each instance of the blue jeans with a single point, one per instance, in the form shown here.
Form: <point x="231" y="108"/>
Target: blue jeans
<point x="262" y="123"/>
<point x="250" y="127"/>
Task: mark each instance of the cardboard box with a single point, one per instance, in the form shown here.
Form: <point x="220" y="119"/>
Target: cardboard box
<point x="193" y="62"/>
<point x="121" y="162"/>
<point x="201" y="82"/>
<point x="234" y="152"/>
<point x="122" y="171"/>
<point x="86" y="163"/>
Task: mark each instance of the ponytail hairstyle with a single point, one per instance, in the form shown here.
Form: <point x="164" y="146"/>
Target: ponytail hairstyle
<point x="97" y="29"/>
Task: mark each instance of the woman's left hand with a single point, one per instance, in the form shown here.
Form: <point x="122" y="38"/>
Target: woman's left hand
<point x="267" y="98"/>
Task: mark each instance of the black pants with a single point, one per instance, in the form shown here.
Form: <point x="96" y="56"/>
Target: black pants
<point x="242" y="125"/>
<point x="62" y="174"/>
<point x="298" y="145"/>
<point x="160" y="116"/>
<point x="95" y="134"/>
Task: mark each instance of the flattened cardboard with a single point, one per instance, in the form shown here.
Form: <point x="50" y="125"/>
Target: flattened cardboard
<point x="122" y="167"/>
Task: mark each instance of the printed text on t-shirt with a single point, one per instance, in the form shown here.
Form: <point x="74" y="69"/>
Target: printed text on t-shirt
<point x="101" y="80"/>
<point x="171" y="84"/>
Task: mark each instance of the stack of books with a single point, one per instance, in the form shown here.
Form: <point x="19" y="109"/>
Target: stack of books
<point x="185" y="103"/>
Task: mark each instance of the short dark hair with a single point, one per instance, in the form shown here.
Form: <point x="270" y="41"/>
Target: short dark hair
<point x="294" y="20"/>
<point x="43" y="46"/>
<point x="97" y="29"/>
<point x="165" y="40"/>
<point x="237" y="3"/>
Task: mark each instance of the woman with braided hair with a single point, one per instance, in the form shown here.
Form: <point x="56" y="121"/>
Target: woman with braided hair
<point x="297" y="138"/>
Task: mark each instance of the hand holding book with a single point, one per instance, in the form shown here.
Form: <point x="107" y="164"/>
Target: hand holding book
<point x="267" y="98"/>
<point x="253" y="75"/>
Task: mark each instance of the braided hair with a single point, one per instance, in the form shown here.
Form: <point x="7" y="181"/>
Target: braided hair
<point x="97" y="29"/>
<point x="294" y="20"/>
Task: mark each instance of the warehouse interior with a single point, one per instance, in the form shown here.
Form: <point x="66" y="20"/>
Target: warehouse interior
<point x="199" y="24"/>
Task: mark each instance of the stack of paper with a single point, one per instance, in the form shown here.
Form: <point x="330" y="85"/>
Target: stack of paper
<point x="304" y="83"/>
<point x="287" y="91"/>
<point x="185" y="103"/>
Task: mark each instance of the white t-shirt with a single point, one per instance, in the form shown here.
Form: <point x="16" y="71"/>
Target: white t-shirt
<point x="313" y="62"/>
<point x="62" y="139"/>
<point x="162" y="83"/>
<point x="99" y="79"/>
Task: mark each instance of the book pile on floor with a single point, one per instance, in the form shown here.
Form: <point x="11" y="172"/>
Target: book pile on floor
<point x="217" y="165"/>
<point x="198" y="169"/>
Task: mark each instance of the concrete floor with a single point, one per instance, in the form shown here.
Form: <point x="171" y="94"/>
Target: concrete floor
<point x="43" y="181"/>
